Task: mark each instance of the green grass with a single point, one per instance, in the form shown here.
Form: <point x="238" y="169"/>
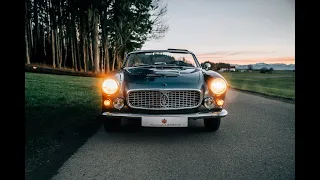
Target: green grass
<point x="55" y="107"/>
<point x="277" y="83"/>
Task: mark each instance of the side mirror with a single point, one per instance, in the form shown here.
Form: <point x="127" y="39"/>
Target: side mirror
<point x="207" y="66"/>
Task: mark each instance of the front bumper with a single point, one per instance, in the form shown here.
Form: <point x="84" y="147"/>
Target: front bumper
<point x="198" y="115"/>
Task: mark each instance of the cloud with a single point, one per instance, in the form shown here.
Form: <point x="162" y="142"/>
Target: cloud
<point x="232" y="53"/>
<point x="246" y="57"/>
<point x="214" y="53"/>
<point x="235" y="53"/>
<point x="284" y="60"/>
<point x="211" y="57"/>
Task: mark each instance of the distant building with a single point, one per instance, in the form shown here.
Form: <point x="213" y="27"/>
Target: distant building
<point x="227" y="69"/>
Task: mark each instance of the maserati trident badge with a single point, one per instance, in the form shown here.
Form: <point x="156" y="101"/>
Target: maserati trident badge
<point x="164" y="100"/>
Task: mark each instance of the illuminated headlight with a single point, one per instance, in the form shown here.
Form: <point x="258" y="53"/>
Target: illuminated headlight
<point x="218" y="86"/>
<point x="118" y="103"/>
<point x="109" y="86"/>
<point x="208" y="103"/>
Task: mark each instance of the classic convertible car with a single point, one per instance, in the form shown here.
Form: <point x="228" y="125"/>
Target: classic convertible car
<point x="163" y="88"/>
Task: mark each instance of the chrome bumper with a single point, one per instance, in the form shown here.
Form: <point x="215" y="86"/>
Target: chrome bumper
<point x="198" y="115"/>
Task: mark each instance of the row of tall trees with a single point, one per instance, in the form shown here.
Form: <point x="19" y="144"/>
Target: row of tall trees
<point x="90" y="35"/>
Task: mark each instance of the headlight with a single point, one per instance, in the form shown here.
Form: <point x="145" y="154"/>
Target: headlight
<point x="218" y="86"/>
<point x="109" y="86"/>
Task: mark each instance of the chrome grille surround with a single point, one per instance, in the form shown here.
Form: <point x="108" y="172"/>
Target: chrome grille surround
<point x="164" y="99"/>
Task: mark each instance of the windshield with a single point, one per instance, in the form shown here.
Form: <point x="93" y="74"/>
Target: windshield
<point x="160" y="59"/>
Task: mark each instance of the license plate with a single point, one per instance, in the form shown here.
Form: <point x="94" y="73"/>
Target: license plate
<point x="164" y="121"/>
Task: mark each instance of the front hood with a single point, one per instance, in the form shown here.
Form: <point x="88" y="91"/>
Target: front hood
<point x="155" y="78"/>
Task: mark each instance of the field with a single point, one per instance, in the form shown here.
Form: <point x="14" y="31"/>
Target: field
<point x="278" y="83"/>
<point x="60" y="113"/>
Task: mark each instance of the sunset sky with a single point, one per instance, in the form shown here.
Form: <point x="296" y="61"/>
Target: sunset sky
<point x="231" y="31"/>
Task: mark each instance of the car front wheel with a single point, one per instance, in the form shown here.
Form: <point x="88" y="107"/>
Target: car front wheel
<point x="212" y="124"/>
<point x="112" y="125"/>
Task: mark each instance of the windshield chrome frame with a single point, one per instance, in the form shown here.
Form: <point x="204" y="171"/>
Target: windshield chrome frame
<point x="169" y="51"/>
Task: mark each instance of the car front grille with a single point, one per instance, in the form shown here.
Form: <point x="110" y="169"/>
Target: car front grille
<point x="164" y="99"/>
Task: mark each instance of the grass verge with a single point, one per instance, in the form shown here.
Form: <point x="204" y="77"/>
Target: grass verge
<point x="276" y="84"/>
<point x="60" y="113"/>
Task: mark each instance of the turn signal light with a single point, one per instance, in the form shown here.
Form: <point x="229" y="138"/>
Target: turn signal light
<point x="107" y="102"/>
<point x="219" y="102"/>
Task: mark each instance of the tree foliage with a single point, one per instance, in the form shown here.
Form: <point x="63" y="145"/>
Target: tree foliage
<point x="89" y="35"/>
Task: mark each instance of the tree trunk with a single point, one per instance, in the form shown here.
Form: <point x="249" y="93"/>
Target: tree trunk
<point x="53" y="48"/>
<point x="61" y="44"/>
<point x="65" y="47"/>
<point x="44" y="43"/>
<point x="26" y="33"/>
<point x="78" y="54"/>
<point x="36" y="24"/>
<point x="72" y="53"/>
<point x="88" y="55"/>
<point x="106" y="55"/>
<point x="83" y="41"/>
<point x="119" y="61"/>
<point x="49" y="40"/>
<point x="27" y="44"/>
<point x="101" y="64"/>
<point x="73" y="42"/>
<point x="60" y="37"/>
<point x="95" y="40"/>
<point x="58" y="48"/>
<point x="75" y="55"/>
<point x="52" y="23"/>
<point x="77" y="47"/>
<point x="114" y="59"/>
<point x="91" y="55"/>
<point x="30" y="32"/>
<point x="84" y="48"/>
<point x="66" y="55"/>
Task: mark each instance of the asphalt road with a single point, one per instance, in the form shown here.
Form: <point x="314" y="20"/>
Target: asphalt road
<point x="255" y="141"/>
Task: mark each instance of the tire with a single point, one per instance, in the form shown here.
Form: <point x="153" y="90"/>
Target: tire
<point x="212" y="124"/>
<point x="112" y="125"/>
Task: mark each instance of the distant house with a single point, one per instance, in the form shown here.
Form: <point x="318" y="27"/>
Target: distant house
<point x="227" y="69"/>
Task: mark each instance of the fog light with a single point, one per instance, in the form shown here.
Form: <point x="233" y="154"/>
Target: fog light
<point x="209" y="103"/>
<point x="219" y="102"/>
<point x="118" y="103"/>
<point x="107" y="102"/>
